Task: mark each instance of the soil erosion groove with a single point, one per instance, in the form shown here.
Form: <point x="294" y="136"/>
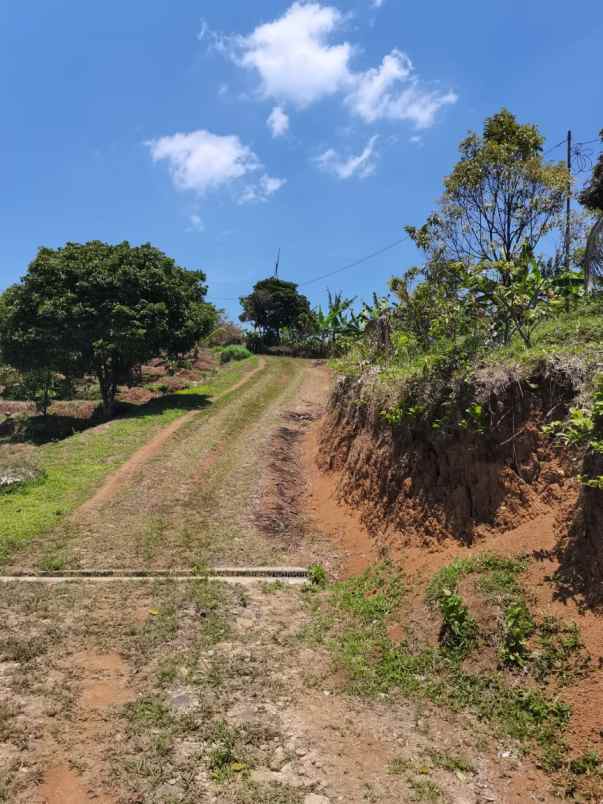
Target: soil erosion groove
<point x="152" y="447"/>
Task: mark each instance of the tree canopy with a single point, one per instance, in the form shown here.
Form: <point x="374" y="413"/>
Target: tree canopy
<point x="592" y="195"/>
<point x="102" y="309"/>
<point x="500" y="198"/>
<point x="592" y="198"/>
<point x="274" y="305"/>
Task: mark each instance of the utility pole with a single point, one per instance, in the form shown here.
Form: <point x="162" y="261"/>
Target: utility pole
<point x="568" y="233"/>
<point x="278" y="259"/>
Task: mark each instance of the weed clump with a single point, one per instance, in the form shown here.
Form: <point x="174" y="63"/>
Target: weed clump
<point x="234" y="352"/>
<point x="459" y="629"/>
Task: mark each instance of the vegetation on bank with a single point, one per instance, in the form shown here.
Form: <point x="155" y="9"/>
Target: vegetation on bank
<point x="519" y="693"/>
<point x="486" y="312"/>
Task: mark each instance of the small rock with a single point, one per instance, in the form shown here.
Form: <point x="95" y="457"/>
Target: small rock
<point x="262" y="776"/>
<point x="301" y="752"/>
<point x="313" y="798"/>
<point x="288" y="776"/>
<point x="278" y="759"/>
<point x="181" y="699"/>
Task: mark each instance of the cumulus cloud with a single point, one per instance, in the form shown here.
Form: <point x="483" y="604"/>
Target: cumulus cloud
<point x="392" y="92"/>
<point x="278" y="122"/>
<point x="362" y="166"/>
<point x="297" y="61"/>
<point x="292" y="55"/>
<point x="201" y="161"/>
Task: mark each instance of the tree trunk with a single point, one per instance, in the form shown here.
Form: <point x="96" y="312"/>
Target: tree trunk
<point x="107" y="389"/>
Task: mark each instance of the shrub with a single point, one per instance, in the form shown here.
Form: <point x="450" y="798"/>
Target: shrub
<point x="459" y="629"/>
<point x="234" y="352"/>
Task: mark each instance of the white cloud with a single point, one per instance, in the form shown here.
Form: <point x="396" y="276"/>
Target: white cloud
<point x="297" y="61"/>
<point x="201" y="161"/>
<point x="293" y="57"/>
<point x="392" y="92"/>
<point x="371" y="95"/>
<point x="262" y="190"/>
<point x="363" y="165"/>
<point x="278" y="121"/>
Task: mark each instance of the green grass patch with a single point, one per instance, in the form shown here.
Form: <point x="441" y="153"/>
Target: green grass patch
<point x="499" y="576"/>
<point x="353" y="618"/>
<point x="73" y="468"/>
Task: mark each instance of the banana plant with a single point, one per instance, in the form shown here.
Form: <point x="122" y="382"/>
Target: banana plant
<point x="338" y="320"/>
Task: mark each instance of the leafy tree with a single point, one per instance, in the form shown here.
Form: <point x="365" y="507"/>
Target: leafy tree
<point x="592" y="198"/>
<point x="500" y="197"/>
<point x="275" y="305"/>
<point x="524" y="302"/>
<point x="102" y="309"/>
<point x="433" y="308"/>
<point x="592" y="195"/>
<point x="224" y="333"/>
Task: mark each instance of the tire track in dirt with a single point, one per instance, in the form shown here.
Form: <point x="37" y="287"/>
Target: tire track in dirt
<point x="152" y="448"/>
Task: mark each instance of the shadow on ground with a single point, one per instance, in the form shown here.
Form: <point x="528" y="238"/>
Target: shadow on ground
<point x="40" y="430"/>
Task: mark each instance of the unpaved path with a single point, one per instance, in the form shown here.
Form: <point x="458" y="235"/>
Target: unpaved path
<point x="144" y="692"/>
<point x="152" y="448"/>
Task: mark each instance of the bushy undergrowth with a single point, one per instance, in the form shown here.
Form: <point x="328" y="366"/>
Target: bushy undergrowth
<point x="234" y="352"/>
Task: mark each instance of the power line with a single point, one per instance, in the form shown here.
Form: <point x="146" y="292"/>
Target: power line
<point x="356" y="262"/>
<point x="349" y="265"/>
<point x="563" y="141"/>
<point x="397" y="242"/>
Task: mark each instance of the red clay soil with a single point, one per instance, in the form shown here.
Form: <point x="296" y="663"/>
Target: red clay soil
<point x="103" y="685"/>
<point x="150" y="449"/>
<point x="342" y="523"/>
<point x="536" y="535"/>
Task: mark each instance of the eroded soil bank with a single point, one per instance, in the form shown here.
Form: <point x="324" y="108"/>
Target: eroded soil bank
<point x="423" y="500"/>
<point x="416" y="483"/>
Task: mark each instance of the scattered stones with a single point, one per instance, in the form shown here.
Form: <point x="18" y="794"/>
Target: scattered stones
<point x="289" y="776"/>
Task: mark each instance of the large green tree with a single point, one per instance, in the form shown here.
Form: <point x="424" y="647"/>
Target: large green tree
<point x="275" y="305"/>
<point x="500" y="198"/>
<point x="592" y="198"/>
<point x="102" y="309"/>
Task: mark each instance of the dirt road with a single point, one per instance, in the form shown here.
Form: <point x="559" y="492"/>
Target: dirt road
<point x="152" y="691"/>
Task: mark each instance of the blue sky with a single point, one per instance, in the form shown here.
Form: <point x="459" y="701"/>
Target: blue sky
<point x="221" y="131"/>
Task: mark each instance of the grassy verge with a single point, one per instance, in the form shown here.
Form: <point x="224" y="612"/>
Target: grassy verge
<point x="351" y="619"/>
<point x="72" y="469"/>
